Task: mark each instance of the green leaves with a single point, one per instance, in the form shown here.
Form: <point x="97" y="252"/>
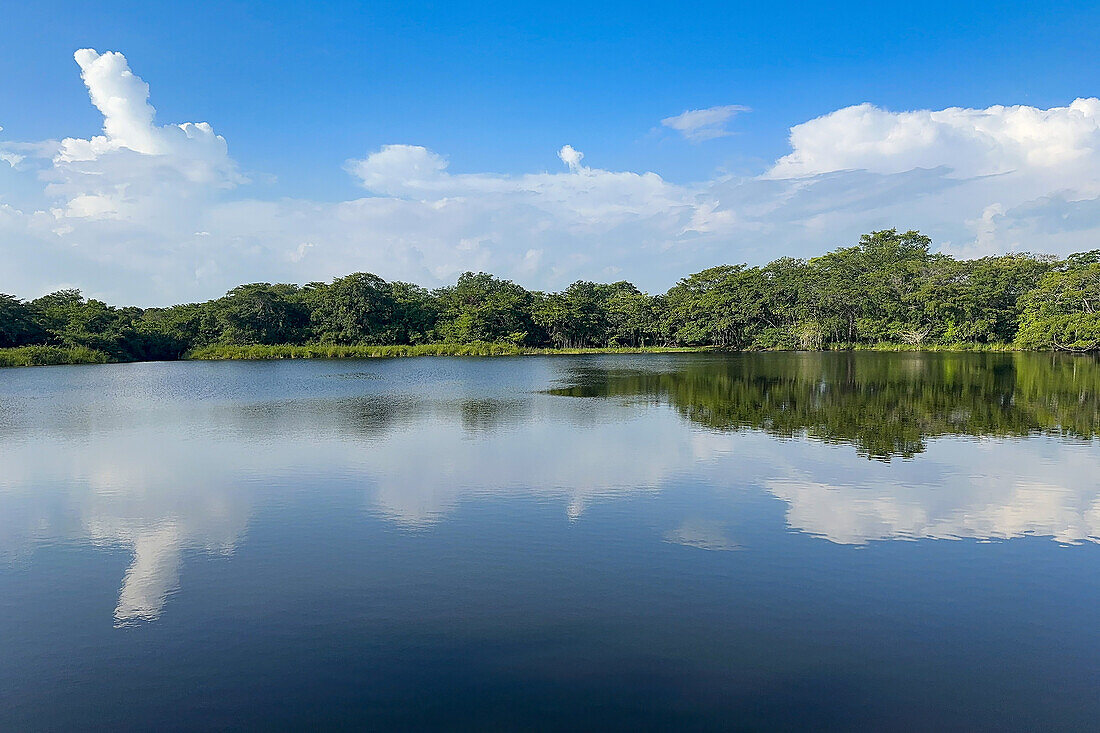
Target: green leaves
<point x="888" y="288"/>
<point x="1063" y="312"/>
<point x="261" y="313"/>
<point x="481" y="307"/>
<point x="19" y="322"/>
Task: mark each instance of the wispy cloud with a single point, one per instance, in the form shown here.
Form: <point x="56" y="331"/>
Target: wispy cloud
<point x="704" y="124"/>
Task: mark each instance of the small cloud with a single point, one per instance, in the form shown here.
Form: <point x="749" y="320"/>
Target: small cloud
<point x="531" y="260"/>
<point x="11" y="159"/>
<point x="704" y="124"/>
<point x="572" y="158"/>
<point x="396" y="168"/>
<point x="298" y="254"/>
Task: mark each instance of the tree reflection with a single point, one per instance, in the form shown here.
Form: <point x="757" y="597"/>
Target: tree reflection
<point x="886" y="405"/>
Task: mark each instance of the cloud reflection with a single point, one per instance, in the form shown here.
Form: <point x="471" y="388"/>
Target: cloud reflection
<point x="704" y="534"/>
<point x="990" y="491"/>
<point x="155" y="497"/>
<point x="167" y="474"/>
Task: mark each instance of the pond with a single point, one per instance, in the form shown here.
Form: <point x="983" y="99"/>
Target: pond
<point x="722" y="541"/>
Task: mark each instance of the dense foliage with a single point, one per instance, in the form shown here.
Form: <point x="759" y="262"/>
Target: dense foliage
<point x="888" y="288"/>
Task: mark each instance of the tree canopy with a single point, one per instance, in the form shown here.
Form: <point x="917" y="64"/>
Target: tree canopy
<point x="889" y="287"/>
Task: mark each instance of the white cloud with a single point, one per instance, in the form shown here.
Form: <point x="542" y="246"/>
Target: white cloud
<point x="973" y="142"/>
<point x="136" y="171"/>
<point x="12" y="159"/>
<point x="192" y="148"/>
<point x="298" y="254"/>
<point x="704" y="124"/>
<point x="143" y="213"/>
<point x="571" y="157"/>
<point x="396" y="168"/>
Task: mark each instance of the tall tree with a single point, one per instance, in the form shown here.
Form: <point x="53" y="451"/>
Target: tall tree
<point x="355" y="309"/>
<point x="1063" y="312"/>
<point x="262" y="313"/>
<point x="481" y="307"/>
<point x="19" y="324"/>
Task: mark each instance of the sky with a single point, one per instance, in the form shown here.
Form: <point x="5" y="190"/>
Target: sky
<point x="154" y="153"/>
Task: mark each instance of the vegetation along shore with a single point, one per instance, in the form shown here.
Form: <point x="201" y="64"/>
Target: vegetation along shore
<point x="889" y="291"/>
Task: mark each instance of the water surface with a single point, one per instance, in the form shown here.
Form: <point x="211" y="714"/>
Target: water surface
<point x="832" y="541"/>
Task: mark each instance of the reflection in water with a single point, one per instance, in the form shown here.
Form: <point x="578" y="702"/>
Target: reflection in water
<point x="980" y="491"/>
<point x="177" y="496"/>
<point x="162" y="466"/>
<point x="885" y="404"/>
<point x="442" y="542"/>
<point x="706" y="534"/>
<point x="890" y="405"/>
<point x="152" y="575"/>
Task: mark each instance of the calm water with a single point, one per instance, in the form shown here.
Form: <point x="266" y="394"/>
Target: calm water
<point x="832" y="541"/>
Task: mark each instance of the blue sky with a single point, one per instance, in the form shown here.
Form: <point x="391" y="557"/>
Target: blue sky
<point x="496" y="89"/>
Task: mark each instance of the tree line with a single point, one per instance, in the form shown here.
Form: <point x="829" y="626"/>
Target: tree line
<point x="888" y="288"/>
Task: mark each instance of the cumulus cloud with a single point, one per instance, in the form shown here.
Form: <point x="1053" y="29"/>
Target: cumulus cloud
<point x="136" y="171"/>
<point x="144" y="212"/>
<point x="192" y="148"/>
<point x="973" y="142"/>
<point x="571" y="157"/>
<point x="704" y="124"/>
<point x="397" y="168"/>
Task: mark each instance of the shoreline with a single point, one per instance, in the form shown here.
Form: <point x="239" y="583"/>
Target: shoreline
<point x="325" y="351"/>
<point x="67" y="356"/>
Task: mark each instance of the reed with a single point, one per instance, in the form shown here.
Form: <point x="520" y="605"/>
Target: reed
<point x="50" y="356"/>
<point x="337" y="351"/>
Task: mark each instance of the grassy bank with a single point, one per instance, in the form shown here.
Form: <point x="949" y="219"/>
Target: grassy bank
<point x="330" y="351"/>
<point x="50" y="356"/>
<point x="958" y="346"/>
<point x="333" y="351"/>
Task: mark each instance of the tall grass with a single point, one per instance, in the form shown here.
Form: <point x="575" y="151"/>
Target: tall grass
<point x="50" y="356"/>
<point x="621" y="350"/>
<point x="335" y="351"/>
<point x="957" y="346"/>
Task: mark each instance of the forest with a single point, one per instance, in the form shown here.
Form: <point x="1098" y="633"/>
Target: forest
<point x="889" y="289"/>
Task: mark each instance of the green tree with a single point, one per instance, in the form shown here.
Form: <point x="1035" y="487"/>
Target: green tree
<point x="173" y="331"/>
<point x="869" y="292"/>
<point x="415" y="313"/>
<point x="632" y="318"/>
<point x="979" y="300"/>
<point x="1063" y="312"/>
<point x="356" y="309"/>
<point x="262" y="313"/>
<point x="19" y="323"/>
<point x="578" y="316"/>
<point x="722" y="306"/>
<point x="481" y="307"/>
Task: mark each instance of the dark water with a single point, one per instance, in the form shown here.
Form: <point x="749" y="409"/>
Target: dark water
<point x="871" y="541"/>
